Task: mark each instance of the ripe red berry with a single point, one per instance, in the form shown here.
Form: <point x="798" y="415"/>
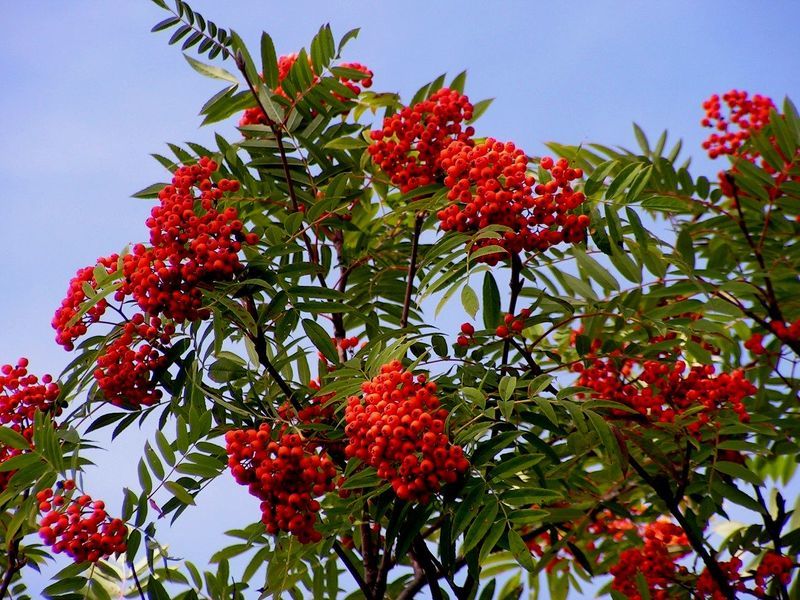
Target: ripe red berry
<point x="398" y="427"/>
<point x="287" y="474"/>
<point x="409" y="145"/>
<point x="79" y="527"/>
<point x="490" y="185"/>
<point x="467" y="329"/>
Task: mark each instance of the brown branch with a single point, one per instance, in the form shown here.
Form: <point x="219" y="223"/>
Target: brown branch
<point x="516" y="288"/>
<point x="368" y="551"/>
<point x="412" y="267"/>
<point x="423" y="556"/>
<point x="662" y="489"/>
<point x="136" y="580"/>
<point x="276" y="131"/>
<point x="260" y="344"/>
<point x="337" y="547"/>
<point x="774" y="530"/>
<point x="14" y="567"/>
<point x="419" y="581"/>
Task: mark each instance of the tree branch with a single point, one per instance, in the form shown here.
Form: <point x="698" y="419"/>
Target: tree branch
<point x="136" y="580"/>
<point x="412" y="267"/>
<point x="774" y="530"/>
<point x="516" y="288"/>
<point x="337" y="547"/>
<point x="423" y="556"/>
<point x="260" y="344"/>
<point x="698" y="544"/>
<point x="14" y="566"/>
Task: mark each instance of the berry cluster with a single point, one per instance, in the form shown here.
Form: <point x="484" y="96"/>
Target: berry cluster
<point x="22" y="394"/>
<point x="286" y="474"/>
<point x="256" y="116"/>
<point x="512" y="324"/>
<point x="490" y="185"/>
<point x="786" y="333"/>
<point x="756" y="344"/>
<point x="408" y="148"/>
<point x="353" y="84"/>
<point x="664" y="544"/>
<point x="706" y="586"/>
<point x="773" y="566"/>
<point x="466" y="338"/>
<point x="398" y="427"/>
<point x="189" y="247"/>
<point x="66" y="322"/>
<point x="192" y="245"/>
<point x="79" y="527"/>
<point x="662" y="391"/>
<point x="125" y="371"/>
<point x="746" y="116"/>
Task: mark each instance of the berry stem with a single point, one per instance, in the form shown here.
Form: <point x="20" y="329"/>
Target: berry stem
<point x="516" y="288"/>
<point x="412" y="267"/>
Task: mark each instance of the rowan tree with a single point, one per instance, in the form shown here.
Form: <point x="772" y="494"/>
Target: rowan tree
<point x="623" y="380"/>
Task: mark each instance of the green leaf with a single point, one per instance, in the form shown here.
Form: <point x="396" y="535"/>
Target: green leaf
<point x="626" y="265"/>
<point x="165" y="448"/>
<point x="614" y="455"/>
<point x="366" y="478"/>
<point x="346" y="143"/>
<point x="491" y="302"/>
<point x="665" y="203"/>
<point x="481" y="525"/>
<point x="469" y="300"/>
<point x="685" y="247"/>
<point x="641" y="139"/>
<point x="165" y="24"/>
<point x="151" y="191"/>
<point x="515" y="464"/>
<point x="521" y="552"/>
<point x="321" y="339"/>
<point x="507" y="386"/>
<point x="595" y="270"/>
<point x="530" y="495"/>
<point x="179" y="492"/>
<point x="210" y="70"/>
<point x="738" y="471"/>
<point x="155" y="590"/>
<point x="70" y="584"/>
<point x="9" y="437"/>
<point x="269" y="61"/>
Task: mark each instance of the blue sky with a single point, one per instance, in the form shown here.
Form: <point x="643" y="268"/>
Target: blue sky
<point x="88" y="93"/>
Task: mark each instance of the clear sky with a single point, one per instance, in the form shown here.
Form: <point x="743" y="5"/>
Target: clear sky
<point x="88" y="93"/>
